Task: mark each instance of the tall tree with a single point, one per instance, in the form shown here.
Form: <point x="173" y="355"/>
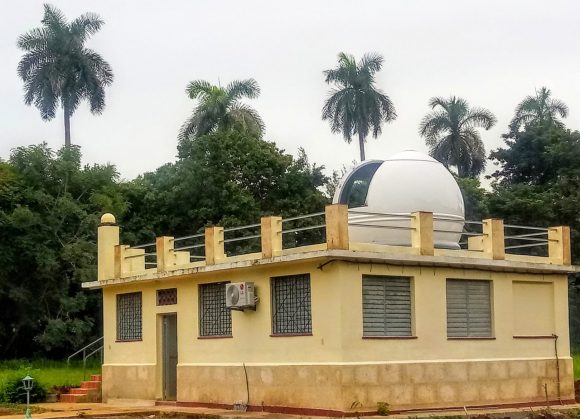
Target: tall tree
<point x="220" y="108"/>
<point x="49" y="210"/>
<point x="539" y="109"/>
<point x="58" y="68"/>
<point x="450" y="131"/>
<point x="356" y="105"/>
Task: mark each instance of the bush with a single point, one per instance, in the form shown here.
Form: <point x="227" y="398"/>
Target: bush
<point x="13" y="392"/>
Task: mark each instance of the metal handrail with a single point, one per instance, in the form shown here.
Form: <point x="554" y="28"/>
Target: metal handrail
<point x="140" y="246"/>
<point x="294" y="230"/>
<point x="86" y="356"/>
<point x="300" y="217"/>
<point x="83" y="349"/>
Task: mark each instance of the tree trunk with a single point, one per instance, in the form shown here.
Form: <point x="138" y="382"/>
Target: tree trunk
<point x="66" y="127"/>
<point x="361" y="144"/>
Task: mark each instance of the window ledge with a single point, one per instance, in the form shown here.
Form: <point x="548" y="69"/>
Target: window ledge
<point x="390" y="337"/>
<point x="533" y="337"/>
<point x="216" y="337"/>
<point x="287" y="335"/>
<point x="128" y="340"/>
<point x="472" y="338"/>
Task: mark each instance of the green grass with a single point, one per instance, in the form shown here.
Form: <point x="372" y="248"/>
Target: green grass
<point x="48" y="374"/>
<point x="576" y="358"/>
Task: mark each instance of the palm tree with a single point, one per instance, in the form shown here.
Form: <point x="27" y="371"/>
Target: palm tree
<point x="220" y="108"/>
<point x="58" y="69"/>
<point x="539" y="109"/>
<point x="451" y="134"/>
<point x="355" y="105"/>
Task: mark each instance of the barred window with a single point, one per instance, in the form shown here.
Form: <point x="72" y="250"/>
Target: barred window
<point x="386" y="306"/>
<point x="167" y="297"/>
<point x="468" y="308"/>
<point x="291" y="311"/>
<point x="129" y="316"/>
<point x="214" y="317"/>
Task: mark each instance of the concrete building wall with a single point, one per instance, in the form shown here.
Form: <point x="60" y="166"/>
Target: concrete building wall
<point x="336" y="366"/>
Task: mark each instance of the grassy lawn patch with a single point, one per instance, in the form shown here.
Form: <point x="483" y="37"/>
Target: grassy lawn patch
<point x="576" y="358"/>
<point x="47" y="374"/>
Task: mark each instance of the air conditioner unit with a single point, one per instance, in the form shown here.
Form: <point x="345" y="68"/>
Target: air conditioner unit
<point x="240" y="295"/>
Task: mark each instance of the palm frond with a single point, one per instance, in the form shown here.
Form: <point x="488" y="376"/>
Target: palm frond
<point x="198" y="88"/>
<point x="559" y="107"/>
<point x="53" y="18"/>
<point x="34" y="39"/>
<point x="243" y="88"/>
<point x="86" y="25"/>
<point x="371" y="62"/>
<point x="248" y="119"/>
<point x="479" y="117"/>
<point x="439" y="101"/>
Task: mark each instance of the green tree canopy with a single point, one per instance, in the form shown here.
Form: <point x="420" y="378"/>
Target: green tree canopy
<point x="451" y="133"/>
<point x="356" y="105"/>
<point x="58" y="68"/>
<point x="49" y="211"/>
<point x="226" y="178"/>
<point x="220" y="108"/>
<point x="540" y="109"/>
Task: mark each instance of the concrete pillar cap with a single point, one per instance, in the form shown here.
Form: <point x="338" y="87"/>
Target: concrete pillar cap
<point x="108" y="218"/>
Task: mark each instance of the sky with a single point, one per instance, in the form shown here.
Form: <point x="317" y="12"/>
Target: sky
<point x="492" y="53"/>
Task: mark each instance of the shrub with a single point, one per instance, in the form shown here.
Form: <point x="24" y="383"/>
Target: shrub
<point x="13" y="392"/>
<point x="383" y="409"/>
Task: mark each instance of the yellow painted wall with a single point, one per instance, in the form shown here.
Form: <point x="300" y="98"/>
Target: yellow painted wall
<point x="336" y="320"/>
<point x="533" y="306"/>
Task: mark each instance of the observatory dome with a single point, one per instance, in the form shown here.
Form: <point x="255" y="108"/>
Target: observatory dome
<point x="382" y="194"/>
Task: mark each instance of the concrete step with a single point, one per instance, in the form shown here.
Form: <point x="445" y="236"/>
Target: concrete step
<point x="96" y="377"/>
<point x="81" y="390"/>
<point x="91" y="384"/>
<point x="74" y="398"/>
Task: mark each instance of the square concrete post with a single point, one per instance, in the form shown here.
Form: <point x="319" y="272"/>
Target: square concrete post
<point x="271" y="236"/>
<point x="107" y="239"/>
<point x="128" y="260"/>
<point x="422" y="233"/>
<point x="336" y="219"/>
<point x="475" y="243"/>
<point x="493" y="238"/>
<point x="559" y="245"/>
<point x="166" y="254"/>
<point x="214" y="245"/>
<point x="164" y="248"/>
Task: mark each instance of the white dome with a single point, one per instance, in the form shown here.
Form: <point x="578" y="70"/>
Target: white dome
<point x="383" y="194"/>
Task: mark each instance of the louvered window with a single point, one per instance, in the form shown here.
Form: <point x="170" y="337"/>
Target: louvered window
<point x="468" y="309"/>
<point x="214" y="317"/>
<point x="291" y="312"/>
<point x="129" y="316"/>
<point x="386" y="306"/>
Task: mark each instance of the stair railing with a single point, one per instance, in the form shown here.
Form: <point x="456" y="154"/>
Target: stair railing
<point x="87" y="352"/>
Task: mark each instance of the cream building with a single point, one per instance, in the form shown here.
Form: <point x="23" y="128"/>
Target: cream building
<point x="388" y="307"/>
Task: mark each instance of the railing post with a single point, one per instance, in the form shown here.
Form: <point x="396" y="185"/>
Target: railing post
<point x="493" y="238"/>
<point x="124" y="264"/>
<point x="559" y="245"/>
<point x="166" y="254"/>
<point x="214" y="245"/>
<point x="336" y="219"/>
<point x="422" y="233"/>
<point x="163" y="248"/>
<point x="107" y="239"/>
<point x="271" y="236"/>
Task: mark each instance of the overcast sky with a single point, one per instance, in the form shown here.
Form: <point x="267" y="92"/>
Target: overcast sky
<point x="493" y="53"/>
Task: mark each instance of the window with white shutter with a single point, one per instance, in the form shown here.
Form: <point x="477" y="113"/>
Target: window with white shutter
<point x="468" y="309"/>
<point x="386" y="306"/>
